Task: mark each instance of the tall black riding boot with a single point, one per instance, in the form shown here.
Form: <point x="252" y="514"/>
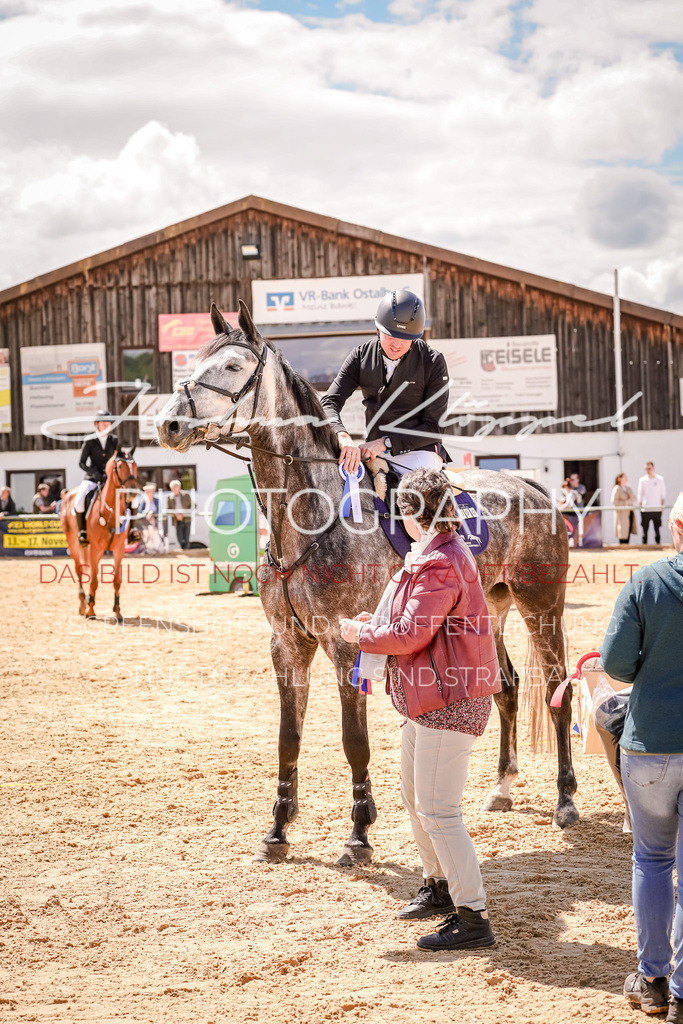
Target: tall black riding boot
<point x="82" y="528"/>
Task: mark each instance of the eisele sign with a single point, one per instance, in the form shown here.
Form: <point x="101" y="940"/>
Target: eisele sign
<point x="326" y="299"/>
<point x="516" y="374"/>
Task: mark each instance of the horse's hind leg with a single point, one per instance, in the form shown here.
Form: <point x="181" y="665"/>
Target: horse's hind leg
<point x="547" y="637"/>
<point x="292" y="655"/>
<point x="499" y="799"/>
<point x="356" y="745"/>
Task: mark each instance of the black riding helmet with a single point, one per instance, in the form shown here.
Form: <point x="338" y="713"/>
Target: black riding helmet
<point x="401" y="314"/>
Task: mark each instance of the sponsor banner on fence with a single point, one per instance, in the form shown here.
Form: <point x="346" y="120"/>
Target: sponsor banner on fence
<point x="58" y="383"/>
<point x="326" y="299"/>
<point x="517" y="374"/>
<point x="22" y="536"/>
<point x="584" y="534"/>
<point x="5" y="395"/>
<point x="187" y="331"/>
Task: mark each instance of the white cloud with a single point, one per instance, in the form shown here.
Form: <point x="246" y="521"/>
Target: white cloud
<point x="626" y="208"/>
<point x="125" y="116"/>
<point x="156" y="168"/>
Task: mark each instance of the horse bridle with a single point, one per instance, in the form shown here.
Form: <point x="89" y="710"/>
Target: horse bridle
<point x="122" y="483"/>
<point x="236" y="397"/>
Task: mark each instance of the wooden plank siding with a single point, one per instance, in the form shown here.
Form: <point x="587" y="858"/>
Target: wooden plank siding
<point x="117" y="302"/>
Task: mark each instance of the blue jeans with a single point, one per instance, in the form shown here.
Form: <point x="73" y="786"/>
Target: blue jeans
<point x="654" y="788"/>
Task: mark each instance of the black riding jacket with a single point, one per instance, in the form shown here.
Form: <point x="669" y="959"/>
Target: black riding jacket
<point x="94" y="457"/>
<point x="419" y="377"/>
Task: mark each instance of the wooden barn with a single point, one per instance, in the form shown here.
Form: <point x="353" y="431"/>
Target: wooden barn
<point x="245" y="249"/>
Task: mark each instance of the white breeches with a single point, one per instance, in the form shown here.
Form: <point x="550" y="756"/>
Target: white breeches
<point x="83" y="488"/>
<point x="406" y="462"/>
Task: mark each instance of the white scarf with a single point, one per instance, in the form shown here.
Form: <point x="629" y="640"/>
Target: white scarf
<point x="374" y="666"/>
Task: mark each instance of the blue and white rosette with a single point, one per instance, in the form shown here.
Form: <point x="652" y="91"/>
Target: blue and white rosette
<point x="357" y="680"/>
<point x="350" y="502"/>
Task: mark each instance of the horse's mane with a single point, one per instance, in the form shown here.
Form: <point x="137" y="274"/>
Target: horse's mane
<point x="303" y="392"/>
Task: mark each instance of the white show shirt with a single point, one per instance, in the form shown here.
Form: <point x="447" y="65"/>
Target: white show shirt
<point x="651" y="491"/>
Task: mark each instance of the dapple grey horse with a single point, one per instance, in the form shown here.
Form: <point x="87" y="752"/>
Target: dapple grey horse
<point x="320" y="568"/>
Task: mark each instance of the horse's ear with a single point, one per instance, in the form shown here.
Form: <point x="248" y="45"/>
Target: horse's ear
<point x="218" y="321"/>
<point x="248" y="326"/>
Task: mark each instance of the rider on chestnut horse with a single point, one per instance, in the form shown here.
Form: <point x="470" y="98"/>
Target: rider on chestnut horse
<point x="95" y="455"/>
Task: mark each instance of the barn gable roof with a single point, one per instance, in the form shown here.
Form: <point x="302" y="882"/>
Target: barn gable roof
<point x="364" y="234"/>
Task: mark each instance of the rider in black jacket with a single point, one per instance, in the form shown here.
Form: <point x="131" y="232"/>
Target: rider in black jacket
<point x="95" y="455"/>
<point x="405" y="391"/>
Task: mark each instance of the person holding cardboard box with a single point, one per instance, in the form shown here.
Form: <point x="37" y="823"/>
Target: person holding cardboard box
<point x="643" y="646"/>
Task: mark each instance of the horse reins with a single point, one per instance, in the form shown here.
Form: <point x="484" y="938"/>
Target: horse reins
<point x="275" y="561"/>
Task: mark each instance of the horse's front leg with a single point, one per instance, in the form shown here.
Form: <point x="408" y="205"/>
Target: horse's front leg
<point x="357" y="849"/>
<point x="292" y="655"/>
<point x="95" y="556"/>
<point x="118" y="575"/>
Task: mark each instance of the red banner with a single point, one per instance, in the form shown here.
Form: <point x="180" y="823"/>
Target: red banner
<point x="187" y="331"/>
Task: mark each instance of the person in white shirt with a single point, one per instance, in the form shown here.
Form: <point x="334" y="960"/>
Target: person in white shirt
<point x="651" y="497"/>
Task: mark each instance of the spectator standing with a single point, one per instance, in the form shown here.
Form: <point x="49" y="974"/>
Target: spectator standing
<point x="62" y="495"/>
<point x="445" y="708"/>
<point x="624" y="498"/>
<point x="570" y="499"/>
<point x="7" y="506"/>
<point x="577" y="486"/>
<point x="180" y="509"/>
<point x="642" y="646"/>
<point x="41" y="501"/>
<point x="651" y="498"/>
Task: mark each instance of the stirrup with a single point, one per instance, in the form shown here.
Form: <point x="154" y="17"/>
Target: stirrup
<point x="83" y="538"/>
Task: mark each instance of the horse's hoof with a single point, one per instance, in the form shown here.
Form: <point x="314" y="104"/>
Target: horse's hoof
<point x="566" y="815"/>
<point x="119" y="619"/>
<point x="271" y="853"/>
<point x="497" y="802"/>
<point x="355" y="853"/>
<point x="90" y="615"/>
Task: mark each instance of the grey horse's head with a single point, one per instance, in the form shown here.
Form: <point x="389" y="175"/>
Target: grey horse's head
<point x="220" y="395"/>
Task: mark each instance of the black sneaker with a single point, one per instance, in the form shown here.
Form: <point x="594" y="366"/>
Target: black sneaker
<point x="433" y="900"/>
<point x="650" y="996"/>
<point x="675" y="1014"/>
<point x="466" y="929"/>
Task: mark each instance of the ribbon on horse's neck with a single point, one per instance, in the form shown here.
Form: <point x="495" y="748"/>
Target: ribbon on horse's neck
<point x="236" y="397"/>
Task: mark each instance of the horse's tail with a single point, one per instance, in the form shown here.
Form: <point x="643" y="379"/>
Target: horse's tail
<point x="542" y="736"/>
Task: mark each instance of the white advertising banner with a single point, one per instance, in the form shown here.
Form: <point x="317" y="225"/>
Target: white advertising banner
<point x="147" y="409"/>
<point x="57" y="383"/>
<point x="326" y="299"/>
<point x="5" y="393"/>
<point x="501" y="374"/>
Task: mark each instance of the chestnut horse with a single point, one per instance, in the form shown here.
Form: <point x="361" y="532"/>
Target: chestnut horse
<point x="107" y="530"/>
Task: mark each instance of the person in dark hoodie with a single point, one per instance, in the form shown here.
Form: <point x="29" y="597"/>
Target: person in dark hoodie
<point x="643" y="647"/>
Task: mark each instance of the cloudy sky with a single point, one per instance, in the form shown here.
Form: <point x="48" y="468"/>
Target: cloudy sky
<point x="542" y="134"/>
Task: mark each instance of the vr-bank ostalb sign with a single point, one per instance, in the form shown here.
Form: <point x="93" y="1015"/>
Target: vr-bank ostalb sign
<point x="58" y="383"/>
<point x="517" y="374"/>
<point x="326" y="299"/>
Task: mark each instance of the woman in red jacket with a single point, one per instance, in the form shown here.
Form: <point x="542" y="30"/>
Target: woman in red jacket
<point x="433" y="624"/>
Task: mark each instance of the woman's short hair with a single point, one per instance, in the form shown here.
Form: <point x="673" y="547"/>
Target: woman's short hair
<point x="617" y="479"/>
<point x="676" y="514"/>
<point x="426" y="495"/>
